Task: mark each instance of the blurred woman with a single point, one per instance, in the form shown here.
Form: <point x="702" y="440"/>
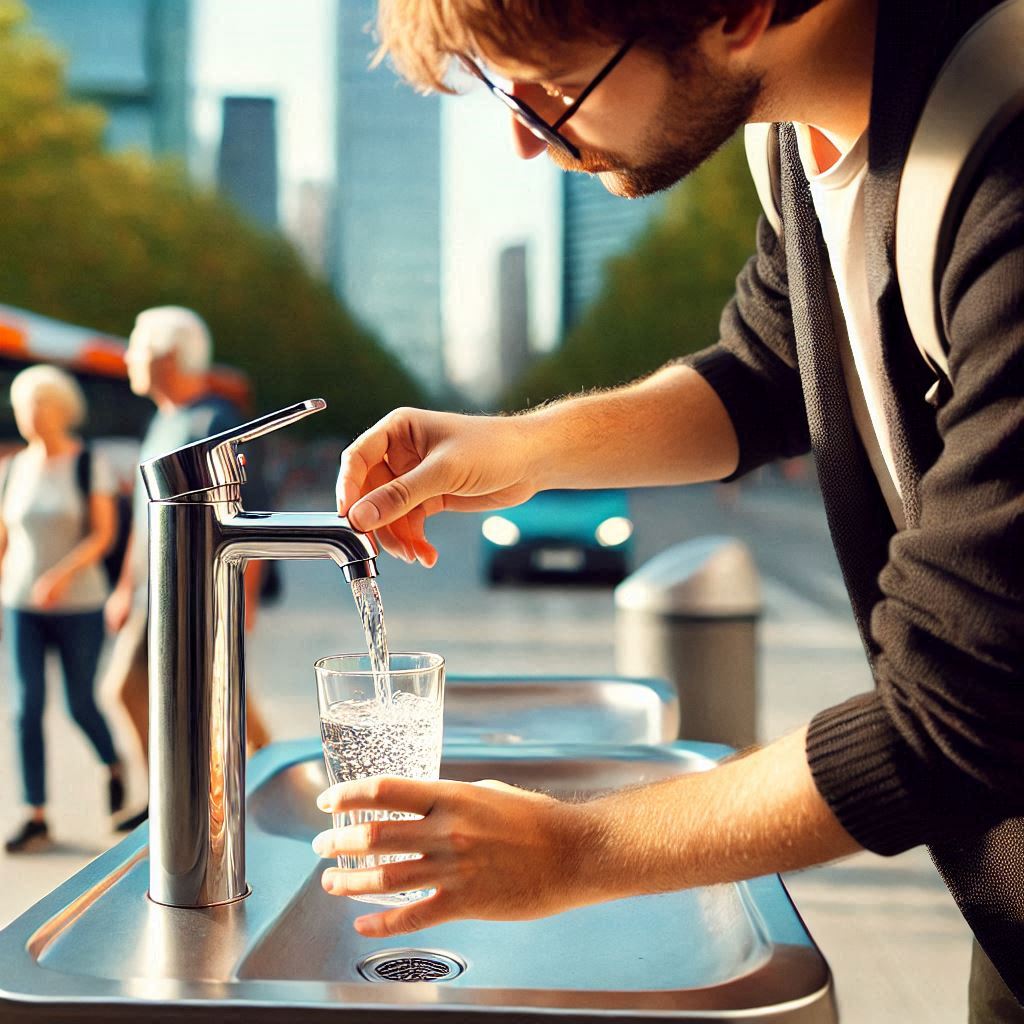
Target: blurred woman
<point x="57" y="519"/>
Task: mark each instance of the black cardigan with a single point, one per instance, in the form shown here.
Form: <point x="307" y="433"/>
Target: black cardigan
<point x="935" y="754"/>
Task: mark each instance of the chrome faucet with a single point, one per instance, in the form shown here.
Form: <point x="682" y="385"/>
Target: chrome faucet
<point x="200" y="539"/>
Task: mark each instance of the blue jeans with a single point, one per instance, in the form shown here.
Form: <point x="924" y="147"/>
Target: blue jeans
<point x="78" y="637"/>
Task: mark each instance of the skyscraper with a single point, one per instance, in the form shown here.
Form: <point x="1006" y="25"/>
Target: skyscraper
<point x="596" y="226"/>
<point x="131" y="57"/>
<point x="388" y="266"/>
<point x="247" y="162"/>
<point x="309" y="223"/>
<point x="513" y="315"/>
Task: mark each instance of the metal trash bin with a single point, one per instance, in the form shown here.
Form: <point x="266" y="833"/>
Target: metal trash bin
<point x="689" y="616"/>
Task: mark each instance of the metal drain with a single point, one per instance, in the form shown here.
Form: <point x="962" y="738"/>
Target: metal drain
<point x="411" y="965"/>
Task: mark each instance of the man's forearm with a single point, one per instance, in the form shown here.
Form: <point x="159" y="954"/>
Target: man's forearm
<point x="500" y="853"/>
<point x="669" y="428"/>
<point x="756" y="815"/>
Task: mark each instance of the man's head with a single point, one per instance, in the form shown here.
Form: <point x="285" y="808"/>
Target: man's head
<point x="690" y="79"/>
<point x="168" y="353"/>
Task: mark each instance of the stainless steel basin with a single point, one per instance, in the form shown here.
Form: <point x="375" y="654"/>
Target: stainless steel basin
<point x="96" y="948"/>
<point x="559" y="709"/>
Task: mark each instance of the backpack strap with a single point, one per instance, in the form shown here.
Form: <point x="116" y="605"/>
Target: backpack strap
<point x="83" y="471"/>
<point x="761" y="142"/>
<point x="978" y="92"/>
<point x="83" y="477"/>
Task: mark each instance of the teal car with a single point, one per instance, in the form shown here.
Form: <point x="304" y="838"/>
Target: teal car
<point x="563" y="535"/>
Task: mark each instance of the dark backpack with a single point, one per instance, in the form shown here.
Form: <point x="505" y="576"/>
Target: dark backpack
<point x="114" y="558"/>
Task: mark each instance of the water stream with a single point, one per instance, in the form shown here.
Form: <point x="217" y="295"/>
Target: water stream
<point x="371" y="615"/>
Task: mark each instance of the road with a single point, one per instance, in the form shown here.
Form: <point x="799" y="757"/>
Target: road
<point x="895" y="941"/>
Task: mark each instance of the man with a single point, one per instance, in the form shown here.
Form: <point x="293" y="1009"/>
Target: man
<point x="925" y="505"/>
<point x="168" y="360"/>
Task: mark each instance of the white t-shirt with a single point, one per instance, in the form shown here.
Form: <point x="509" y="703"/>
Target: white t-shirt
<point x="838" y="195"/>
<point x="46" y="517"/>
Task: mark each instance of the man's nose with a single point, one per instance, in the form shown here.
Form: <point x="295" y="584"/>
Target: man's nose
<point x="527" y="145"/>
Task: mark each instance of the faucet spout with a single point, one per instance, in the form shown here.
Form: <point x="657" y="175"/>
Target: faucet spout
<point x="287" y="535"/>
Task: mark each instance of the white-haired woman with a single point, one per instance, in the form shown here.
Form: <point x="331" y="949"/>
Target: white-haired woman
<point x="57" y="520"/>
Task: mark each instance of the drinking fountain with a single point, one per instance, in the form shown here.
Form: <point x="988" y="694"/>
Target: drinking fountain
<point x="200" y="539"/>
<point x="97" y="948"/>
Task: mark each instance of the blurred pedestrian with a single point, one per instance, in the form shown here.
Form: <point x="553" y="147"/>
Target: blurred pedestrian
<point x="57" y="520"/>
<point x="168" y="360"/>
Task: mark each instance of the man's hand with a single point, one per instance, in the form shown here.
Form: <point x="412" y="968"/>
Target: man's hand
<point x="414" y="463"/>
<point x="669" y="428"/>
<point x="491" y="851"/>
<point x="118" y="607"/>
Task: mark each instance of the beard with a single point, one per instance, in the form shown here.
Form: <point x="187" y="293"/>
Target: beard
<point x="704" y="110"/>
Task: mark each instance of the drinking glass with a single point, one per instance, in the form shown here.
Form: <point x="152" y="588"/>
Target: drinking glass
<point x="375" y="724"/>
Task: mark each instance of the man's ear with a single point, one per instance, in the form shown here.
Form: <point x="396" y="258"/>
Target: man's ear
<point x="742" y="31"/>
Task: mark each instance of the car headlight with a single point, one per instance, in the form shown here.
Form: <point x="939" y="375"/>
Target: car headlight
<point x="501" y="531"/>
<point x="615" y="530"/>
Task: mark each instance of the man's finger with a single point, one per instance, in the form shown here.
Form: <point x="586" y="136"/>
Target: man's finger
<point x="403" y="876"/>
<point x="422" y="548"/>
<point x="397" y="536"/>
<point x="373" y="837"/>
<point x="405" y="530"/>
<point x="397" y="498"/>
<point x="364" y="458"/>
<point x="356" y="460"/>
<point x="426" y="553"/>
<point x="386" y="793"/>
<point x="394" y="544"/>
<point x="415" y="917"/>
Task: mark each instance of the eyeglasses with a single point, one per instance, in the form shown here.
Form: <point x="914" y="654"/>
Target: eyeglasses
<point x="528" y="117"/>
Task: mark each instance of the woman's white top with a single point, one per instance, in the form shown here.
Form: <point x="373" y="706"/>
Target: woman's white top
<point x="46" y="517"/>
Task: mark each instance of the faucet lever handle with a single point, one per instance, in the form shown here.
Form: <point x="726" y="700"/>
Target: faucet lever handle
<point x="266" y="424"/>
<point x="213" y="462"/>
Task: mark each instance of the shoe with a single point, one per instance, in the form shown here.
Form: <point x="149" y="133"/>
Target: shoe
<point x="132" y="823"/>
<point x="32" y="837"/>
<point x="115" y="793"/>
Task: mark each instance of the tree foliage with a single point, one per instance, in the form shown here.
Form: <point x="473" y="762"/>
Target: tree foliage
<point x="664" y="297"/>
<point x="93" y="238"/>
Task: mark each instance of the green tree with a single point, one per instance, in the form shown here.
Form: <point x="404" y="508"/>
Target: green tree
<point x="664" y="297"/>
<point x="93" y="237"/>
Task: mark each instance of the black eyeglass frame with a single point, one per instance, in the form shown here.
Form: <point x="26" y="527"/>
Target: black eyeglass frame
<point x="527" y="116"/>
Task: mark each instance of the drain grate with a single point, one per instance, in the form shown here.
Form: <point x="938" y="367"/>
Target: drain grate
<point x="411" y="965"/>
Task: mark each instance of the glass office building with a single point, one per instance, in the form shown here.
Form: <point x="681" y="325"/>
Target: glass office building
<point x="131" y="57"/>
<point x="247" y="158"/>
<point x="388" y="264"/>
<point x="595" y="227"/>
<point x="513" y="314"/>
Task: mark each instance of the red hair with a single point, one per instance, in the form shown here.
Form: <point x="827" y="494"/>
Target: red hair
<point x="422" y="36"/>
